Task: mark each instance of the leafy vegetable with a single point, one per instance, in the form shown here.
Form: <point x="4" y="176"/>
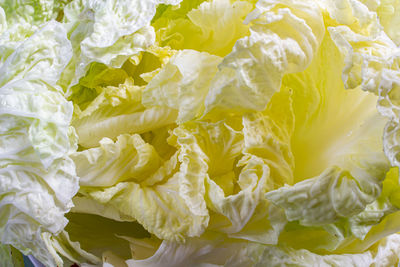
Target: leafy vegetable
<point x="200" y="133"/>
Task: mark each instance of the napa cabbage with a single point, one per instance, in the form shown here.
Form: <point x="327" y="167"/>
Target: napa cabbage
<point x="200" y="133"/>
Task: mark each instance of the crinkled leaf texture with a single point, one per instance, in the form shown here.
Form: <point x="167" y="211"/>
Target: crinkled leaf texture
<point x="183" y="83"/>
<point x="385" y="253"/>
<point x="108" y="32"/>
<point x="140" y="186"/>
<point x="215" y="250"/>
<point x="203" y="133"/>
<point x="38" y="179"/>
<point x="284" y="35"/>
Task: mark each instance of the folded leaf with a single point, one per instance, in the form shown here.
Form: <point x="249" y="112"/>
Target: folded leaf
<point x="284" y="35"/>
<point x="210" y="250"/>
<point x="158" y="208"/>
<point x="128" y="158"/>
<point x="107" y="32"/>
<point x="147" y="191"/>
<point x="183" y="84"/>
<point x="205" y="26"/>
<point x="384" y="254"/>
<point x="38" y="179"/>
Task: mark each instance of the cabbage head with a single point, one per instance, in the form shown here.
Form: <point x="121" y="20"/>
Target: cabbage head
<point x="174" y="133"/>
